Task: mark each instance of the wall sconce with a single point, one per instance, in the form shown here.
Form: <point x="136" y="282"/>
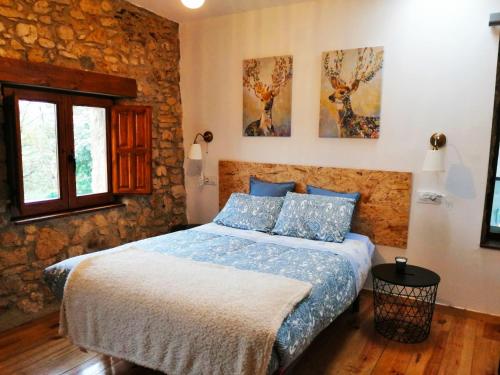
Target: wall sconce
<point x="195" y="149"/>
<point x="433" y="161"/>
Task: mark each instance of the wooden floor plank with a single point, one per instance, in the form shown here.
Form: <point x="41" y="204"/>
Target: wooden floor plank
<point x="424" y="352"/>
<point x="486" y="357"/>
<point x="491" y="331"/>
<point x="128" y="368"/>
<point x="349" y="348"/>
<point x="28" y="336"/>
<point x="361" y="350"/>
<point x="469" y="341"/>
<point x="19" y="363"/>
<point x="99" y="364"/>
<point x="61" y="362"/>
<point x="394" y="360"/>
<point x="460" y="342"/>
<point x="454" y="348"/>
<point x="367" y="359"/>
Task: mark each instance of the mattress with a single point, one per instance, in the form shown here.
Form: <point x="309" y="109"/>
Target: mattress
<point x="337" y="272"/>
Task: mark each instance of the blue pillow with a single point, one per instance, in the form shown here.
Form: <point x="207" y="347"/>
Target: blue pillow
<point x="318" y="191"/>
<point x="249" y="212"/>
<point x="270" y="189"/>
<point x="315" y="217"/>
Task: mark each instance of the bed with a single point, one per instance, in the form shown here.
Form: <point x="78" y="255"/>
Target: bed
<point x="335" y="272"/>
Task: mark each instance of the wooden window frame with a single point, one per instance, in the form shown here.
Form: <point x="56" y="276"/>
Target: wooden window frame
<point x="47" y="76"/>
<point x="490" y="239"/>
<point x="100" y="198"/>
<point x="68" y="200"/>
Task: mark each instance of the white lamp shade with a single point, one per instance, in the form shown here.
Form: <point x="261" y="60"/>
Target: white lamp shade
<point x="433" y="161"/>
<point x="193" y="4"/>
<point x="195" y="152"/>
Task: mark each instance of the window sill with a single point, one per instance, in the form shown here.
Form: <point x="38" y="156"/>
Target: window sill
<point x="491" y="244"/>
<point x="34" y="219"/>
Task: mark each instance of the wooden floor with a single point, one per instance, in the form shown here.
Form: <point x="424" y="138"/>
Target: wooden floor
<point x="460" y="343"/>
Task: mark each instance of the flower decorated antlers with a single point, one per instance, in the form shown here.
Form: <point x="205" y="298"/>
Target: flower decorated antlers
<point x="282" y="73"/>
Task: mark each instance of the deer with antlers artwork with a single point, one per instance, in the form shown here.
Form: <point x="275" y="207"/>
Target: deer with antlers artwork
<point x="267" y="96"/>
<point x="350" y="93"/>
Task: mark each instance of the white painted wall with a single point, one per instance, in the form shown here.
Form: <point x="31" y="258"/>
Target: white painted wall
<point x="439" y="75"/>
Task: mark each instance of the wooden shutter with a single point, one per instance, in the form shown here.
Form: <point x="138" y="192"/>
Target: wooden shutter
<point x="131" y="149"/>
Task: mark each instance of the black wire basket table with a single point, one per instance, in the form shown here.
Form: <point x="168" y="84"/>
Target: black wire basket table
<point x="404" y="302"/>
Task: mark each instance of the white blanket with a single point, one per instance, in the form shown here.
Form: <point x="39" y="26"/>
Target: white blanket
<point x="176" y="315"/>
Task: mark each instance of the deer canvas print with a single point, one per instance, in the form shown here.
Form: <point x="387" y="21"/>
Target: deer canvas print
<point x="267" y="96"/>
<point x="351" y="86"/>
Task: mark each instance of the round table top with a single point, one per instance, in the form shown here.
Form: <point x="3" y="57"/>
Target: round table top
<point x="414" y="276"/>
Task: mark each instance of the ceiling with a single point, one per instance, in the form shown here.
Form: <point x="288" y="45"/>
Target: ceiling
<point x="174" y="10"/>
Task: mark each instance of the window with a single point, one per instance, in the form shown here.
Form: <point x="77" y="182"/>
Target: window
<point x="62" y="154"/>
<point x="490" y="234"/>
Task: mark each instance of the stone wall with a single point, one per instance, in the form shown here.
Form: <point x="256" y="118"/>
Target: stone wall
<point x="107" y="36"/>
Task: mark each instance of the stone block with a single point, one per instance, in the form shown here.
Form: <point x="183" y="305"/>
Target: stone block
<point x="104" y="36"/>
<point x="10" y="258"/>
<point x="50" y="243"/>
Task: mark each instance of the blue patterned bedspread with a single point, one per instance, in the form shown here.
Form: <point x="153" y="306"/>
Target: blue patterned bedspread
<point x="330" y="273"/>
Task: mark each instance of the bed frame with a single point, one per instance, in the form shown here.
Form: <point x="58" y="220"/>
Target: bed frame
<point x="383" y="212"/>
<point x="353" y="309"/>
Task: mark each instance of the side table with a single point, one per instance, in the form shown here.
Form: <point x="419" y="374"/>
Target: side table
<point x="404" y="302"/>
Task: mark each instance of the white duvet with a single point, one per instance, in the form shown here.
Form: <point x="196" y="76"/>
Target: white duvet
<point x="356" y="247"/>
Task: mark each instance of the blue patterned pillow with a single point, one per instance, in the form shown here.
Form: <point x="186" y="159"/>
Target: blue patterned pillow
<point x="270" y="189"/>
<point x="318" y="191"/>
<point x="250" y="212"/>
<point x="315" y="217"/>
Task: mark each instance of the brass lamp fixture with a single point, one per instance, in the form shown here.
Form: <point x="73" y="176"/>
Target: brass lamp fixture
<point x="433" y="161"/>
<point x="437" y="140"/>
<point x="195" y="149"/>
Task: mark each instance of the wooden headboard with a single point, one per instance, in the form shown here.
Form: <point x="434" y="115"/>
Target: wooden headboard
<point x="383" y="211"/>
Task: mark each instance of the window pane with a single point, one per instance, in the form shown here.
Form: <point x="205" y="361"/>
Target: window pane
<point x="495" y="210"/>
<point x="89" y="128"/>
<point x="38" y="121"/>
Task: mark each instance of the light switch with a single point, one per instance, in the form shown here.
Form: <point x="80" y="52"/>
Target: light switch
<point x="210" y="180"/>
<point x="429" y="197"/>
